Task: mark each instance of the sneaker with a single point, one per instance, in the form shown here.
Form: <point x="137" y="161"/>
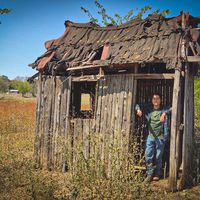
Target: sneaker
<point x="156" y="178"/>
<point x="148" y="179"/>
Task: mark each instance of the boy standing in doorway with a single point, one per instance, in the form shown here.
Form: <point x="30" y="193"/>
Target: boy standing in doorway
<point x="158" y="133"/>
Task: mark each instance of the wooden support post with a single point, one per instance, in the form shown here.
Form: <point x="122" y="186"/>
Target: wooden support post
<point x="38" y="126"/>
<point x="67" y="135"/>
<point x="101" y="71"/>
<point x="175" y="123"/>
<point x="188" y="136"/>
<point x="132" y="128"/>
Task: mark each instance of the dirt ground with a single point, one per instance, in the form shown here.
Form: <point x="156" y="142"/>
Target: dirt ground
<point x="192" y="193"/>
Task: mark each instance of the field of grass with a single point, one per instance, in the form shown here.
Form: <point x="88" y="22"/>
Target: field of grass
<point x="19" y="179"/>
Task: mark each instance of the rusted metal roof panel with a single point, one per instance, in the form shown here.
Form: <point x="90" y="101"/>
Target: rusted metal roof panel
<point x="154" y="39"/>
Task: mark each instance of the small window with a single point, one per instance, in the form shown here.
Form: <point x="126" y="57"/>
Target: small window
<point x="83" y="99"/>
<point x="86" y="102"/>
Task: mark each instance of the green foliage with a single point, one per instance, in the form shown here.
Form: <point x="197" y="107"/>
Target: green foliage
<point x="23" y="87"/>
<point x="92" y="19"/>
<point x="142" y="11"/>
<point x="118" y="19"/>
<point x="18" y="84"/>
<point x="4" y="11"/>
<point x="4" y="83"/>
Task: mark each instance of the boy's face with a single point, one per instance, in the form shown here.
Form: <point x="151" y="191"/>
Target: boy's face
<point x="156" y="100"/>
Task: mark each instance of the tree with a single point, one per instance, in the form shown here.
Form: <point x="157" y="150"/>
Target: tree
<point x="117" y="19"/>
<point x="4" y="83"/>
<point x="23" y="87"/>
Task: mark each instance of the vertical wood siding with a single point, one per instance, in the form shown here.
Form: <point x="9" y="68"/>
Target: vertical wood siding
<point x="51" y="119"/>
<point x="114" y="116"/>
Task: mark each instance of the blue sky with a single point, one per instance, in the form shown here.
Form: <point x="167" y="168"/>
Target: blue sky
<point x="31" y="23"/>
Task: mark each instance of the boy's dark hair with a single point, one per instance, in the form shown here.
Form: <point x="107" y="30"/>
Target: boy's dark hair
<point x="157" y="94"/>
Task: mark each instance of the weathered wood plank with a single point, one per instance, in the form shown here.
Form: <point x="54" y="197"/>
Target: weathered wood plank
<point x="84" y="67"/>
<point x="47" y="122"/>
<point x="132" y="121"/>
<point x="57" y="136"/>
<point x="42" y="121"/>
<point x="114" y="83"/>
<point x="93" y="125"/>
<point x="54" y="123"/>
<point x="174" y="131"/>
<point x="87" y="78"/>
<point x="193" y="58"/>
<point x="104" y="106"/>
<point x="86" y="132"/>
<point x="129" y="103"/>
<point x="188" y="136"/>
<point x="99" y="105"/>
<point x="118" y="83"/>
<point x="109" y="105"/>
<point x="37" y="146"/>
<point x="64" y="112"/>
<point x="51" y="114"/>
<point x="103" y="112"/>
<point x="68" y="135"/>
<point x="77" y="138"/>
<point x="125" y="100"/>
<point x="119" y="104"/>
<point x="135" y="75"/>
<point x="52" y="150"/>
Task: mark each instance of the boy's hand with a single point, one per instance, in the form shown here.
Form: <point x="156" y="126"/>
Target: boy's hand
<point x="162" y="118"/>
<point x="139" y="113"/>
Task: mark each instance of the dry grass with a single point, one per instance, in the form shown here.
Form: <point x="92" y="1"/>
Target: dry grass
<point x="16" y="145"/>
<point x="20" y="180"/>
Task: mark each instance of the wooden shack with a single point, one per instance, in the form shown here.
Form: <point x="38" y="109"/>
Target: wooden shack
<point x="112" y="68"/>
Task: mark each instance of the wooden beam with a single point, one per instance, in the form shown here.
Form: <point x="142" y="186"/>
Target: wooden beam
<point x="111" y="66"/>
<point x="84" y="67"/>
<point x="122" y="65"/>
<point x="134" y="99"/>
<point x="135" y="76"/>
<point x="67" y="135"/>
<point x="175" y="123"/>
<point x="193" y="58"/>
<point x="153" y="76"/>
<point x="86" y="78"/>
<point x="101" y="71"/>
<point x="37" y="149"/>
<point x="188" y="136"/>
<point x="139" y="167"/>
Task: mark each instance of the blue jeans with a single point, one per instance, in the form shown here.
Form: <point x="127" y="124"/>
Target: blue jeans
<point x="154" y="152"/>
